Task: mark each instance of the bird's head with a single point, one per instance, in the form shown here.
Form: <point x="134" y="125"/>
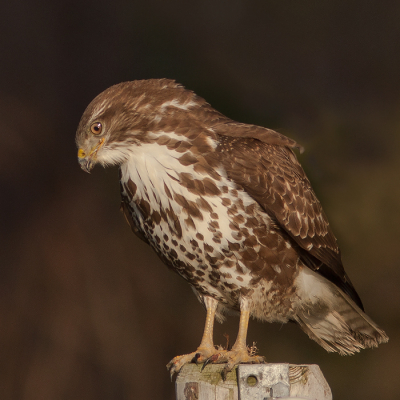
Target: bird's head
<point x="120" y="118"/>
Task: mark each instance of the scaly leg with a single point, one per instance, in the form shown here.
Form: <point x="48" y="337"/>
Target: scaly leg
<point x="206" y="348"/>
<point x="239" y="353"/>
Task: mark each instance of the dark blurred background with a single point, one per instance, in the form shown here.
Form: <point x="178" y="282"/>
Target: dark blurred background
<point x="87" y="310"/>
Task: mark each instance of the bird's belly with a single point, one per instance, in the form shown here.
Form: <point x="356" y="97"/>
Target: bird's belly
<point x="227" y="260"/>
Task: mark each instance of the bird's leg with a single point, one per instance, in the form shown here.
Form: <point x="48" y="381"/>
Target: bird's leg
<point x="206" y="348"/>
<point x="240" y="343"/>
<point x="207" y="341"/>
<point x="239" y="352"/>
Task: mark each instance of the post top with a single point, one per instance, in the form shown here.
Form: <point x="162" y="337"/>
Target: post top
<point x="253" y="381"/>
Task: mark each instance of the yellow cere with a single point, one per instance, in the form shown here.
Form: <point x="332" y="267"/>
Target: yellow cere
<point x="81" y="153"/>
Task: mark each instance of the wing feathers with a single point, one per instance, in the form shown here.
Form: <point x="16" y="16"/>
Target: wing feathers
<point x="272" y="175"/>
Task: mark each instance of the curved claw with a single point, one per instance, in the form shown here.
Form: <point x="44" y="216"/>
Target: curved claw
<point x="171" y="366"/>
<point x="210" y="359"/>
<point x="196" y="358"/>
<point x="224" y="372"/>
<point x="178" y="362"/>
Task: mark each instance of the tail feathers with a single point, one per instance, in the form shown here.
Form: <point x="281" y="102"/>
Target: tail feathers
<point x="338" y="324"/>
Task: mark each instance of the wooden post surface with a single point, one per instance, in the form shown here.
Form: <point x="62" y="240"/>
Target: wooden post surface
<point x="252" y="382"/>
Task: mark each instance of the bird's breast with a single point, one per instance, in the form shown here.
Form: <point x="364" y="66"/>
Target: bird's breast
<point x="210" y="231"/>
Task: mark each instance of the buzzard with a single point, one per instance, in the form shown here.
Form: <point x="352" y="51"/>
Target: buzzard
<point x="228" y="207"/>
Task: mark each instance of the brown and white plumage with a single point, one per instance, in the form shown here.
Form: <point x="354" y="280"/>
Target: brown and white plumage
<point x="228" y="207"/>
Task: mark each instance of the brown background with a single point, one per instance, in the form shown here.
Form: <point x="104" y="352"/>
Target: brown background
<point x="87" y="311"/>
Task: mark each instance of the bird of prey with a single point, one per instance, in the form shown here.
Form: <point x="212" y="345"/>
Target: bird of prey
<point x="228" y="207"/>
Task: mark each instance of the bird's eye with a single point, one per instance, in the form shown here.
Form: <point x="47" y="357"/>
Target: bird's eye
<point x="96" y="128"/>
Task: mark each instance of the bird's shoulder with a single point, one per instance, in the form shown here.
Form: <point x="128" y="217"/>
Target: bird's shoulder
<point x="272" y="175"/>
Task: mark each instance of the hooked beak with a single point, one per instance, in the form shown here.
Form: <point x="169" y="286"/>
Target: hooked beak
<point x="87" y="161"/>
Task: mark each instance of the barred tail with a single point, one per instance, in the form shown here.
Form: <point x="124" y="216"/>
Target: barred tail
<point x="334" y="321"/>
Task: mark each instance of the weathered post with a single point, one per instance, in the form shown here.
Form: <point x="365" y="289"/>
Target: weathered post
<point x="252" y="382"/>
